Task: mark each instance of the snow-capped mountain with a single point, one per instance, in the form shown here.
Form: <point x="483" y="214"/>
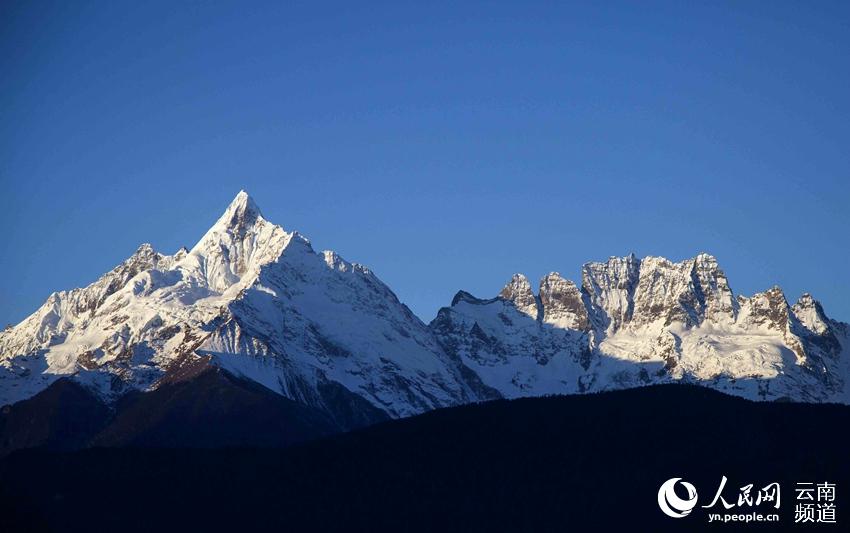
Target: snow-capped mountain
<point x="258" y="302"/>
<point x="250" y="298"/>
<point x="640" y="321"/>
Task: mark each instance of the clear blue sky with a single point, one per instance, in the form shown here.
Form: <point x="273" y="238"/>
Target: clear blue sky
<point x="446" y="147"/>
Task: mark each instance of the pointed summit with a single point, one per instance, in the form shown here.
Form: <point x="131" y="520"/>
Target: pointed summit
<point x="239" y="242"/>
<point x="518" y="290"/>
<point x="244" y="203"/>
<point x="810" y="313"/>
<point x="241" y="213"/>
<point x="145" y="252"/>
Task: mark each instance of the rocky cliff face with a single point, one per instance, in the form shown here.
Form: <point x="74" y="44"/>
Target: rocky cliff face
<point x="518" y="291"/>
<point x="638" y="321"/>
<point x="610" y="288"/>
<point x="259" y="302"/>
<point x="562" y="303"/>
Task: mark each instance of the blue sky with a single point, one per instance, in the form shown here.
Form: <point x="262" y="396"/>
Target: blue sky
<point x="445" y="146"/>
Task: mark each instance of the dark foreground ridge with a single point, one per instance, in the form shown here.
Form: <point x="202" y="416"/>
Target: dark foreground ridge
<point x="213" y="409"/>
<point x="575" y="463"/>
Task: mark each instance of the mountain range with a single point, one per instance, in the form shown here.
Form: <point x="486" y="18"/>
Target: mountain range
<point x="255" y="303"/>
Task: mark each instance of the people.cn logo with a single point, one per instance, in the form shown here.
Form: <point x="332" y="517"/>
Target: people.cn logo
<point x="671" y="504"/>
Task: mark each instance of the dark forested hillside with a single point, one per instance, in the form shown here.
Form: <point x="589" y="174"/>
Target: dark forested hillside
<point x="548" y="464"/>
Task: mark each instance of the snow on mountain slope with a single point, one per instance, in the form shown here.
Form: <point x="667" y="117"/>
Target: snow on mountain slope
<point x="253" y="299"/>
<point x="636" y="322"/>
<point x="259" y="302"/>
<point x="309" y="319"/>
<point x="513" y="352"/>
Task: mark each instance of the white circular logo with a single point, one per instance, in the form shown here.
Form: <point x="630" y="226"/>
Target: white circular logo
<point x="671" y="504"/>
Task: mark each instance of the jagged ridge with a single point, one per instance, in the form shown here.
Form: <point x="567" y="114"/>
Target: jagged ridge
<point x="256" y="300"/>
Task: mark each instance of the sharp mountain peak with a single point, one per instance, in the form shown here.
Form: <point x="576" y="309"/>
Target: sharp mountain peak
<point x="258" y="302"/>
